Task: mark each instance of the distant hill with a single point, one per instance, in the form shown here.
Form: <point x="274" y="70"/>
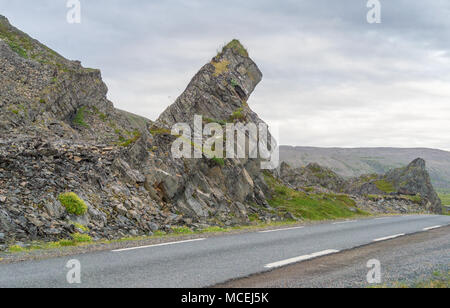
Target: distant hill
<point x="358" y="161"/>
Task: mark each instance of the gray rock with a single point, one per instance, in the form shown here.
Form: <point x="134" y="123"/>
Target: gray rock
<point x="121" y="209"/>
<point x="153" y="226"/>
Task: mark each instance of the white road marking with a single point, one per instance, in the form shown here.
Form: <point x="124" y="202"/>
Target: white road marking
<point x="344" y="222"/>
<point x="158" y="245"/>
<point x="267" y="231"/>
<point x="431" y="228"/>
<point x="388" y="237"/>
<point x="382" y="218"/>
<point x="301" y="258"/>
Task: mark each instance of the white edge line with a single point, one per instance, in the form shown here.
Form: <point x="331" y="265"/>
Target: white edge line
<point x="158" y="245"/>
<point x="301" y="258"/>
<point x="344" y="222"/>
<point x="285" y="229"/>
<point x="431" y="228"/>
<point x="388" y="237"/>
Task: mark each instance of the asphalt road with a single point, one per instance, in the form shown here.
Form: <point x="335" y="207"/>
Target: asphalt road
<point x="404" y="261"/>
<point x="202" y="263"/>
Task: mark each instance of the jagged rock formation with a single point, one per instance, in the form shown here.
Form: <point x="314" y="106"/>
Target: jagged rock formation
<point x="59" y="133"/>
<point x="405" y="190"/>
<point x="206" y="189"/>
<point x="218" y="90"/>
<point x="355" y="162"/>
<point x="312" y="175"/>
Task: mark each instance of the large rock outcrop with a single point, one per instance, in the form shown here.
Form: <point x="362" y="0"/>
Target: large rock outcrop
<point x="311" y="175"/>
<point x="59" y="133"/>
<point x="404" y="190"/>
<point x="414" y="180"/>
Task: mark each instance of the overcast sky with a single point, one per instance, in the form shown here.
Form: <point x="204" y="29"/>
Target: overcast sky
<point x="330" y="77"/>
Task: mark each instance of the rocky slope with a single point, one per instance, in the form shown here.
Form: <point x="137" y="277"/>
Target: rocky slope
<point x="60" y="134"/>
<point x="71" y="163"/>
<point x="359" y="161"/>
<point x="406" y="189"/>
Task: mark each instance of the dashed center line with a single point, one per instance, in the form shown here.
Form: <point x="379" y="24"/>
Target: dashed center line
<point x="431" y="228"/>
<point x="344" y="222"/>
<point x="158" y="245"/>
<point x="277" y="230"/>
<point x="388" y="237"/>
<point x="301" y="258"/>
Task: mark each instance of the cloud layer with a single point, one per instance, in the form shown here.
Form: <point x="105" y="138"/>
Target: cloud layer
<point x="330" y="78"/>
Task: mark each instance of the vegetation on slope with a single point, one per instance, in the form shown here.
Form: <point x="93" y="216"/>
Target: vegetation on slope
<point x="73" y="203"/>
<point x="445" y="198"/>
<point x="439" y="280"/>
<point x="385" y="186"/>
<point x="311" y="206"/>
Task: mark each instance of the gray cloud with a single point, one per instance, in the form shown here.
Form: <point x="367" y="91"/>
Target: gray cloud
<point x="330" y="78"/>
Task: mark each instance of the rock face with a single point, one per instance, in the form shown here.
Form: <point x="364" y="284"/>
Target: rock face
<point x="414" y="180"/>
<point x="312" y="175"/>
<point x="59" y="133"/>
<point x="219" y="89"/>
<point x="406" y="190"/>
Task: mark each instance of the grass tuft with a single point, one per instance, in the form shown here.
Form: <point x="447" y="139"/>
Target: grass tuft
<point x="73" y="204"/>
<point x="79" y="117"/>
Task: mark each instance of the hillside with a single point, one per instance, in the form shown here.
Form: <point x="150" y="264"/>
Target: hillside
<point x="74" y="168"/>
<point x="359" y="161"/>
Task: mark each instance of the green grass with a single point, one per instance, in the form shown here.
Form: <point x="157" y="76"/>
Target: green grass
<point x="80" y="226"/>
<point x="160" y="131"/>
<point x="73" y="204"/>
<point x="445" y="198"/>
<point x="439" y="280"/>
<point x="385" y="186"/>
<point x="319" y="206"/>
<point x="79" y="117"/>
<point x="132" y="140"/>
<point x="182" y="230"/>
<point x="237" y="47"/>
<point x="237" y="115"/>
<point x="208" y="120"/>
<point x="81" y="238"/>
<point x="77" y="239"/>
<point x="18" y="49"/>
<point x="218" y="161"/>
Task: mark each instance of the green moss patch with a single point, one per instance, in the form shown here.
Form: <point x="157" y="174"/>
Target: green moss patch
<point x="132" y="140"/>
<point x="238" y="115"/>
<point x="218" y="161"/>
<point x="385" y="186"/>
<point x="73" y="204"/>
<point x="236" y="46"/>
<point x="79" y="118"/>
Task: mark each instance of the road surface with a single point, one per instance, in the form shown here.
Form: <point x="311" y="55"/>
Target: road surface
<point x="211" y="261"/>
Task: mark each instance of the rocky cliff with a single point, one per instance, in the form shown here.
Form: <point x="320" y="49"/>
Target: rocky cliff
<point x="60" y="135"/>
<point x="71" y="163"/>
